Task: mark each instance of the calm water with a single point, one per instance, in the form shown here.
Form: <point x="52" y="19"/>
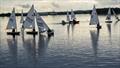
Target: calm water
<point x="79" y="46"/>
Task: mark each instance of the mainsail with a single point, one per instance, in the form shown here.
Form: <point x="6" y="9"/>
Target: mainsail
<point x="68" y="17"/>
<point x="72" y="15"/>
<point x="42" y="26"/>
<point x="94" y="17"/>
<point x="109" y="14"/>
<point x="115" y="15"/>
<point x="12" y="21"/>
<point x="30" y="20"/>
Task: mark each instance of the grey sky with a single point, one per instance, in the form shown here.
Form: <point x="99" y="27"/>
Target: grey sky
<point x="57" y="5"/>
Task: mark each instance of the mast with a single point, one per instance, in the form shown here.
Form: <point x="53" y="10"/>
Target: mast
<point x="12" y="21"/>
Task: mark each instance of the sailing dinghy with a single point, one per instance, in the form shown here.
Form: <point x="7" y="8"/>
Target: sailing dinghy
<point x="108" y="18"/>
<point x="12" y="24"/>
<point x="42" y="26"/>
<point x="67" y="19"/>
<point x="29" y="22"/>
<point x="73" y="18"/>
<point x="94" y="18"/>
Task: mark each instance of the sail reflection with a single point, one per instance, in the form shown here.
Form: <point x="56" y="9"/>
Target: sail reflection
<point x="42" y="44"/>
<point x="116" y="22"/>
<point x="109" y="31"/>
<point x="12" y="45"/>
<point x="68" y="30"/>
<point x="73" y="26"/>
<point x="30" y="47"/>
<point x="94" y="38"/>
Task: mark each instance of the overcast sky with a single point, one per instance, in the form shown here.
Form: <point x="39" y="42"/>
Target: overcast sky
<point x="55" y="5"/>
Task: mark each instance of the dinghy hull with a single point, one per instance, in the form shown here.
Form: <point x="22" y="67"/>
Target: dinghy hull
<point x="32" y="33"/>
<point x="63" y="22"/>
<point x="108" y="21"/>
<point x="99" y="27"/>
<point x="76" y="22"/>
<point x="13" y="33"/>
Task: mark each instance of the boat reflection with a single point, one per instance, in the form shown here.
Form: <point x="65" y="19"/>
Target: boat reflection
<point x="73" y="26"/>
<point x="42" y="44"/>
<point x="30" y="49"/>
<point x="35" y="51"/>
<point x="68" y="30"/>
<point x="70" y="33"/>
<point x="12" y="45"/>
<point x="94" y="37"/>
<point x="116" y="22"/>
<point x="109" y="31"/>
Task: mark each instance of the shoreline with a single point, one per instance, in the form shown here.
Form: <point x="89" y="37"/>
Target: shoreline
<point x="100" y="11"/>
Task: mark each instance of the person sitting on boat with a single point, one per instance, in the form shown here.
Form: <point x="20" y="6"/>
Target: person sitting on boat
<point x="13" y="30"/>
<point x="50" y="32"/>
<point x="63" y="22"/>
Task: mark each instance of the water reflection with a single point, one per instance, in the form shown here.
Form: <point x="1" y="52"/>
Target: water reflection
<point x="73" y="26"/>
<point x="22" y="34"/>
<point x="109" y="31"/>
<point x="12" y="45"/>
<point x="94" y="37"/>
<point x="35" y="51"/>
<point x="116" y="22"/>
<point x="68" y="30"/>
<point x="42" y="44"/>
<point x="30" y="47"/>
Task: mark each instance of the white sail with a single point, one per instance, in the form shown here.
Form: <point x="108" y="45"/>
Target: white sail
<point x="94" y="17"/>
<point x="109" y="14"/>
<point x="72" y="15"/>
<point x="22" y="19"/>
<point x="30" y="20"/>
<point x="12" y="20"/>
<point x="41" y="23"/>
<point x="68" y="17"/>
<point x="115" y="15"/>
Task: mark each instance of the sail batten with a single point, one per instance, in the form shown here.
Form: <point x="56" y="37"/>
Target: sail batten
<point x="94" y="17"/>
<point x="12" y="21"/>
